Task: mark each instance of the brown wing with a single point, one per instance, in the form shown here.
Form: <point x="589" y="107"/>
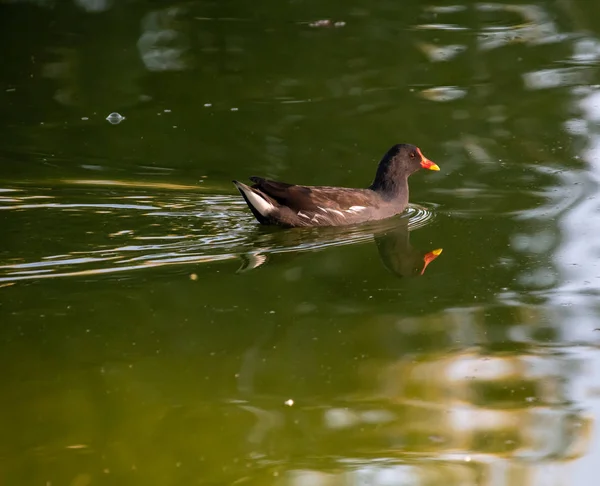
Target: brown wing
<point x="305" y="198"/>
<point x="342" y="199"/>
<point x="290" y="195"/>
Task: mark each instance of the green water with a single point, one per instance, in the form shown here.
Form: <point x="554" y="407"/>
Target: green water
<point x="153" y="334"/>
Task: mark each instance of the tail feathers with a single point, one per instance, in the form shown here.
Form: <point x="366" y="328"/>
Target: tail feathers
<point x="261" y="208"/>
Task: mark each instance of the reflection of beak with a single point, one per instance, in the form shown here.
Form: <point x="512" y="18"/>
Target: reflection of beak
<point x="429" y="257"/>
<point x="426" y="163"/>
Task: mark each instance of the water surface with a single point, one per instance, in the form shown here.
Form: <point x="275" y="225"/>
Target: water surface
<point x="153" y="333"/>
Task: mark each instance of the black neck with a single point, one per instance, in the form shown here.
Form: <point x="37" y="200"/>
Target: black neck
<point x="391" y="188"/>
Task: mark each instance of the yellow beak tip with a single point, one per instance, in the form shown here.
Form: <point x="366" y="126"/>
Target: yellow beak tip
<point x="437" y="252"/>
<point x="434" y="167"/>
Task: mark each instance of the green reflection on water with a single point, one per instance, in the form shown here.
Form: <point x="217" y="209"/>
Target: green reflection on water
<point x="154" y="334"/>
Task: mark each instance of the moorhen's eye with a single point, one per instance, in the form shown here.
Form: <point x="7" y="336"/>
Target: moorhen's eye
<point x="412" y="155"/>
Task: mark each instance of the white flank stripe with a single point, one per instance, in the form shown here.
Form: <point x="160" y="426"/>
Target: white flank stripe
<point x="327" y="210"/>
<point x="357" y="208"/>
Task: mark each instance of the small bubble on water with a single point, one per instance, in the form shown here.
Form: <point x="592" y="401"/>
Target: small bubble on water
<point x="115" y="118"/>
<point x="84" y="118"/>
<point x="207" y="104"/>
<point x="234" y="109"/>
<point x="167" y="111"/>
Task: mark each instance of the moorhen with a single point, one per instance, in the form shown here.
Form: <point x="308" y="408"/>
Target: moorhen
<point x="292" y="205"/>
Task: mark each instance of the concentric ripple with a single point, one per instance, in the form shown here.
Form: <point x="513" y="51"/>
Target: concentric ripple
<point x="70" y="230"/>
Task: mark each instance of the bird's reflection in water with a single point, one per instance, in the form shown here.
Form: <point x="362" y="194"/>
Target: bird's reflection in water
<point x="399" y="256"/>
<point x="392" y="238"/>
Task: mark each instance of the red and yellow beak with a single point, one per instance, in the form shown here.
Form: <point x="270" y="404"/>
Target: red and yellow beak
<point x="426" y="163"/>
<point x="429" y="257"/>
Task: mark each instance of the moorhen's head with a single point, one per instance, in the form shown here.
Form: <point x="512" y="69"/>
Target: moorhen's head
<point x="397" y="164"/>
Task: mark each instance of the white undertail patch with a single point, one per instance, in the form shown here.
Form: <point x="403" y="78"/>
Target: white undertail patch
<point x="259" y="203"/>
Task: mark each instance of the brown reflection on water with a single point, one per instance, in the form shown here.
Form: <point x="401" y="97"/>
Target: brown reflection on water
<point x="134" y="184"/>
<point x="442" y="409"/>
